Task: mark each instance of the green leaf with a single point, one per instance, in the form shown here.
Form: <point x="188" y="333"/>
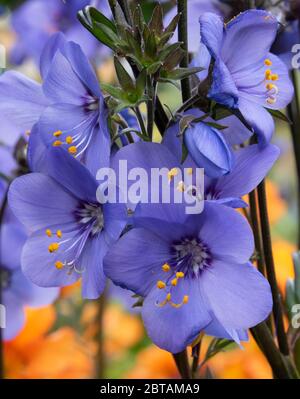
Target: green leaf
<point x="124" y="78"/>
<point x="141" y="83"/>
<point x="290" y="298"/>
<point x="216" y="125"/>
<point x="153" y="68"/>
<point x="156" y="22"/>
<point x="279" y="115"/>
<point x="296" y="259"/>
<point x="115" y="92"/>
<point x="182" y="73"/>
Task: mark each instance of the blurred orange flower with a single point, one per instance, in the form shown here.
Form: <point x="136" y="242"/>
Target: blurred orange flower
<point x="153" y="362"/>
<point x="36" y="353"/>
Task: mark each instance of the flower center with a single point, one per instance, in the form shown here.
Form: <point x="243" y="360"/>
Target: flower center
<point x="191" y="256"/>
<point x="92" y="214"/>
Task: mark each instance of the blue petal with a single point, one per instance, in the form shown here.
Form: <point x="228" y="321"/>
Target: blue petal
<point x="208" y="149"/>
<point x="173" y="329"/>
<point x="231" y="291"/>
<point x="212" y="31"/>
<point x="55" y="42"/>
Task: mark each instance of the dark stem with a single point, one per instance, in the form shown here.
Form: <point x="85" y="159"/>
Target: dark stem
<point x="161" y="118"/>
<point x="183" y="37"/>
<point x="256" y="232"/>
<point x="196" y="358"/>
<point x="2" y="211"/>
<point x="270" y="269"/>
<point x="263" y="337"/>
<point x="151" y="88"/>
<point x="182" y="363"/>
<point x="294" y="115"/>
<point x="140" y="120"/>
<point x="100" y="356"/>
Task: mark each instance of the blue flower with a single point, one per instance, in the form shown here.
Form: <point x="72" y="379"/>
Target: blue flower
<point x="246" y="76"/>
<point x="71" y="231"/>
<point x="66" y="110"/>
<point x="17" y="290"/>
<point x="250" y="164"/>
<point x="193" y="271"/>
<point x="208" y="148"/>
<point x="36" y="20"/>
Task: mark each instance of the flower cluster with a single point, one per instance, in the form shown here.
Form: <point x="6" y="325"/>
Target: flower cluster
<point x="192" y="273"/>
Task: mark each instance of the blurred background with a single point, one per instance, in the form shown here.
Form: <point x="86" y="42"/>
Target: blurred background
<point x="73" y="338"/>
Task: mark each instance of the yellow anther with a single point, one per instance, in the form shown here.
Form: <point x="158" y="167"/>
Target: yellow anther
<point x="59" y="265"/>
<point x="174" y="282"/>
<point x="69" y="140"/>
<point x="181" y="186"/>
<point x="59" y="233"/>
<point x="268" y="74"/>
<point x="185" y="299"/>
<point x="27" y="132"/>
<point x="57" y="143"/>
<point x="53" y="247"/>
<point x="49" y="233"/>
<point x="172" y="173"/>
<point x="274" y="77"/>
<point x="270" y="86"/>
<point x="179" y="274"/>
<point x="189" y="171"/>
<point x="268" y="62"/>
<point x="58" y="133"/>
<point x="161" y="285"/>
<point x="73" y="149"/>
<point x="271" y="100"/>
<point x="168" y="298"/>
<point x="166" y="267"/>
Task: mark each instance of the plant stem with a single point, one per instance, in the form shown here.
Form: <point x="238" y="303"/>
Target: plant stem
<point x="140" y="120"/>
<point x="183" y="37"/>
<point x="182" y="363"/>
<point x="294" y="115"/>
<point x="270" y="268"/>
<point x="100" y="356"/>
<point x="196" y="357"/>
<point x="2" y="211"/>
<point x="263" y="337"/>
<point x="151" y="88"/>
<point x="256" y="232"/>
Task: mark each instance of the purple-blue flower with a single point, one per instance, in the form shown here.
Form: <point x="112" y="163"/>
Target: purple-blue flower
<point x="17" y="290"/>
<point x="66" y="110"/>
<point x="71" y="231"/>
<point x="250" y="164"/>
<point x="193" y="271"/>
<point x="208" y="148"/>
<point x="246" y="76"/>
<point x="36" y="20"/>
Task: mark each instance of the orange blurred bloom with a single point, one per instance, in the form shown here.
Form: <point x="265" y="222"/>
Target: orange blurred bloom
<point x="37" y="354"/>
<point x="153" y="362"/>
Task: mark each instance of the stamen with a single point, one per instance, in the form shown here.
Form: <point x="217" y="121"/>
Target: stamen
<point x="72" y="150"/>
<point x="59" y="265"/>
<point x="179" y="274"/>
<point x="274" y="76"/>
<point x="166" y="267"/>
<point x="190" y="171"/>
<point x="49" y="233"/>
<point x="268" y="62"/>
<point x="271" y="100"/>
<point x="58" y="133"/>
<point x="59" y="233"/>
<point x="174" y="282"/>
<point x="172" y="173"/>
<point x="28" y="132"/>
<point x="181" y="186"/>
<point x="53" y="247"/>
<point x="57" y="143"/>
<point x="268" y="74"/>
<point x="69" y="140"/>
<point x="161" y="285"/>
